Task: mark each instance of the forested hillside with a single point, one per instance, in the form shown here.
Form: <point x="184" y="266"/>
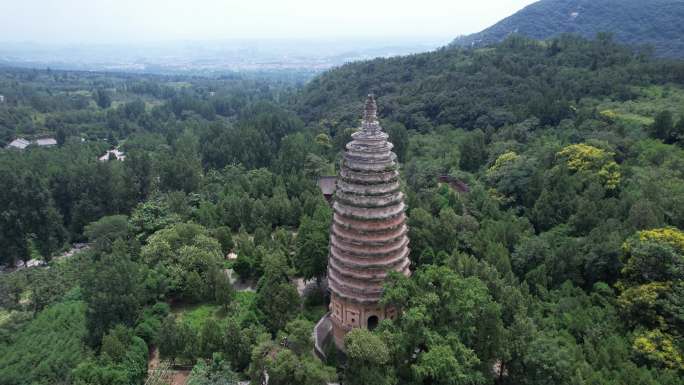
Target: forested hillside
<point x="571" y="155"/>
<point x="495" y="86"/>
<point x="545" y="185"/>
<point x="656" y="23"/>
<point x="212" y="167"/>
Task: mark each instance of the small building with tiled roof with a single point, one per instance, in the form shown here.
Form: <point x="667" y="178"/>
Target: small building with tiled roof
<point x="46" y="142"/>
<point x="19" y="143"/>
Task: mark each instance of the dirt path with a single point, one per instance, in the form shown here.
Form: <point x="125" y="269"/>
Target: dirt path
<point x="153" y="361"/>
<point x="160" y="373"/>
<point x="75" y="249"/>
<point x="180" y="377"/>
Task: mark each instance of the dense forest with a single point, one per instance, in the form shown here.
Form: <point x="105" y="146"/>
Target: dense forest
<point x="545" y="185"/>
<point x="639" y="23"/>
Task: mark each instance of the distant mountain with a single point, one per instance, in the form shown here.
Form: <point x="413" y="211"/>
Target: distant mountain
<point x="659" y="23"/>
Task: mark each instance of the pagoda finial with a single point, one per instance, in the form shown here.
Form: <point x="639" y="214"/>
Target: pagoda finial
<point x="370" y="114"/>
<point x="371" y="110"/>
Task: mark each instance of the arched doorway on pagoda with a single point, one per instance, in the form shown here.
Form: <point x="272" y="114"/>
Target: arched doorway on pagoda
<point x="372" y="322"/>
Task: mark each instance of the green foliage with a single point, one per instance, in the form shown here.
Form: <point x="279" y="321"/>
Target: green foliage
<point x="545" y="224"/>
<point x="285" y="366"/>
<point x="215" y="372"/>
<point x="473" y="153"/>
<point x="249" y="259"/>
<point x="123" y="360"/>
<point x="180" y="170"/>
<point x="654" y="255"/>
<point x="439" y="305"/>
<point x="457" y="86"/>
<point x="552" y="254"/>
<point x="151" y="216"/>
<point x="225" y="238"/>
<point x="297" y="336"/>
<point x="554" y="360"/>
<point x="440" y="365"/>
<point x="585" y="158"/>
<point x="30" y="217"/>
<point x="368" y="359"/>
<point x="168" y="339"/>
<point x="651" y="292"/>
<point x="188" y="258"/>
<point x="210" y="338"/>
<point x="12" y="285"/>
<point x="102" y="98"/>
<point x="201" y="331"/>
<point x="106" y="230"/>
<point x="663" y="127"/>
<point x="277" y="298"/>
<point x="656" y="24"/>
<point x="224" y="293"/>
<point x="253" y="142"/>
<point x="238" y="342"/>
<point x="659" y="349"/>
<point x="399" y="137"/>
<point x="46" y="349"/>
<point x="113" y="290"/>
<point x="149" y="327"/>
<point x="311" y="258"/>
<point x="54" y="284"/>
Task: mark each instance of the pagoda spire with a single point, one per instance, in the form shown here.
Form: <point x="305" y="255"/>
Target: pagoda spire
<point x="370" y="115"/>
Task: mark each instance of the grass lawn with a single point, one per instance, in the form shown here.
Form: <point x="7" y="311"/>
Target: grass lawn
<point x="197" y="314"/>
<point x="642" y="110"/>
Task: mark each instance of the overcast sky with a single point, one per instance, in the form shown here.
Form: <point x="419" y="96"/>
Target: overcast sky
<point x="125" y="21"/>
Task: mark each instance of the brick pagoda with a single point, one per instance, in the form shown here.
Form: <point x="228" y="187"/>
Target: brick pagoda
<point x="368" y="235"/>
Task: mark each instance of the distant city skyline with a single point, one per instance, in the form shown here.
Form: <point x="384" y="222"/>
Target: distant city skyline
<point x="149" y="21"/>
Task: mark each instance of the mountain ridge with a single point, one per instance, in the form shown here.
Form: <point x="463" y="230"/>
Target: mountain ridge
<point x="651" y="22"/>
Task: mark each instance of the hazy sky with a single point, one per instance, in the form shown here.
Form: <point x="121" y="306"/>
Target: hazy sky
<point x="121" y="21"/>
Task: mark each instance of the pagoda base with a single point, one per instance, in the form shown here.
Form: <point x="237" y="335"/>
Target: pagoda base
<point x="346" y="315"/>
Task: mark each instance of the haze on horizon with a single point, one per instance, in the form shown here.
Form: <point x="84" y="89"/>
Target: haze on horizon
<point x="56" y="22"/>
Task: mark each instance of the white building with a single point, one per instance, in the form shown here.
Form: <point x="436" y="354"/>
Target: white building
<point x="118" y="155"/>
<point x="19" y="143"/>
<point x="2" y="98"/>
<point x="46" y="142"/>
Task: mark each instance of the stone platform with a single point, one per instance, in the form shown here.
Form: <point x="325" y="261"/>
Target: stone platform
<point x="321" y="335"/>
